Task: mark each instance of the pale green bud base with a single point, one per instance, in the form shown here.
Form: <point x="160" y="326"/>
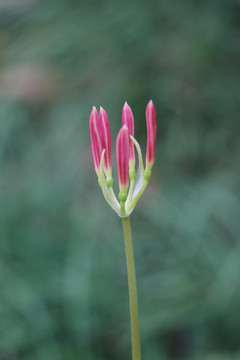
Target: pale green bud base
<point x="147" y="174"/>
<point x="122" y="196"/>
<point x="109" y="181"/>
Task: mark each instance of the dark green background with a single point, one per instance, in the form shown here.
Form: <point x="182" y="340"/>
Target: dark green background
<point x="63" y="284"/>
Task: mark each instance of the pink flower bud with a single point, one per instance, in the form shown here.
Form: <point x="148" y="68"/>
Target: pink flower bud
<point x="105" y="139"/>
<point x="151" y="133"/>
<point x="128" y="120"/>
<point x="122" y="150"/>
<point x="95" y="139"/>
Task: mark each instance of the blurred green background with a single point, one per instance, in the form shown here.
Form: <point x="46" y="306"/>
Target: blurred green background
<point x="63" y="284"/>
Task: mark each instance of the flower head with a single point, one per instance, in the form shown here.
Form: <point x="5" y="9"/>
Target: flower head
<point x="101" y="149"/>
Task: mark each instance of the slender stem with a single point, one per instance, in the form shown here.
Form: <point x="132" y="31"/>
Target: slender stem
<point x="122" y="207"/>
<point x="132" y="287"/>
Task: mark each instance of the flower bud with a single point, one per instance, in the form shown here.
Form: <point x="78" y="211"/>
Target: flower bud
<point x="95" y="139"/>
<point x="122" y="150"/>
<point x="105" y="140"/>
<point x="128" y="120"/>
<point x="151" y="133"/>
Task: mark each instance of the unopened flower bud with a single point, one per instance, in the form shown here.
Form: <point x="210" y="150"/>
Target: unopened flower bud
<point x="105" y="140"/>
<point x="151" y="133"/>
<point x="122" y="149"/>
<point x="128" y="120"/>
<point x="95" y="139"/>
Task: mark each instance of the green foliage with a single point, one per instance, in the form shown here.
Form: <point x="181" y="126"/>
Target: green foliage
<point x="63" y="278"/>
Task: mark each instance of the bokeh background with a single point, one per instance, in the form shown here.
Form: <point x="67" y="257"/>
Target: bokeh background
<point x="63" y="283"/>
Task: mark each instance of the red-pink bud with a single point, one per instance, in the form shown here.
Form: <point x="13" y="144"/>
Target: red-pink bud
<point x="122" y="150"/>
<point x="151" y="132"/>
<point x="105" y="139"/>
<point x="128" y="120"/>
<point x="95" y="138"/>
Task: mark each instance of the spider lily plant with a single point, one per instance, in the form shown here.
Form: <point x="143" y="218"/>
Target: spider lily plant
<point x="131" y="184"/>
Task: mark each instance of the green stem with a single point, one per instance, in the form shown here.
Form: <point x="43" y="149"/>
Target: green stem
<point x="122" y="207"/>
<point x="132" y="287"/>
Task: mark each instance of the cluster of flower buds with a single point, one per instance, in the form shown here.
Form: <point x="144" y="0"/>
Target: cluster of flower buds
<point x="101" y="149"/>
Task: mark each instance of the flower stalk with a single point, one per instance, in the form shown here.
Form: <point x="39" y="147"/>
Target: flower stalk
<point x="132" y="288"/>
